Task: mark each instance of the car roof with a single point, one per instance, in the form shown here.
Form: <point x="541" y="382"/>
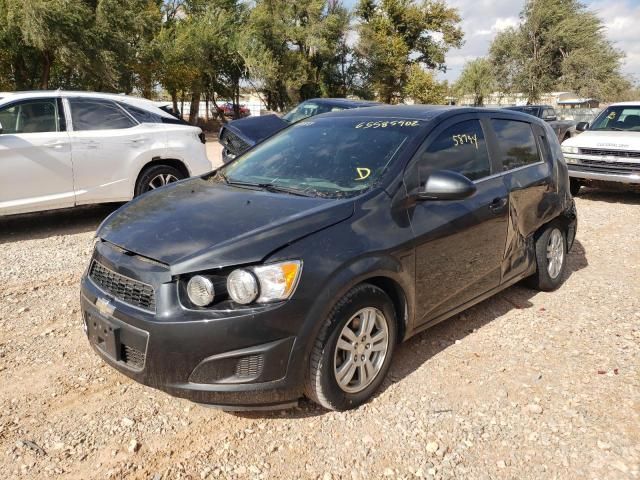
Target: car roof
<point x="626" y="104"/>
<point x="513" y="107"/>
<point x="347" y="102"/>
<point x="129" y="99"/>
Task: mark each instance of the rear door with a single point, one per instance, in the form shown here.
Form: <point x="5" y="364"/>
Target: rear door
<point x="107" y="143"/>
<point x="36" y="172"/>
<point x="528" y="177"/>
<point x="460" y="243"/>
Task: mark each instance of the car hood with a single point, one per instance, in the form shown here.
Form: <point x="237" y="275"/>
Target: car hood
<point x="609" y="140"/>
<point x="256" y="129"/>
<point x="199" y="224"/>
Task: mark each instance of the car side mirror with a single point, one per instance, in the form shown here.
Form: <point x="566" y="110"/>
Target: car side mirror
<point x="446" y="185"/>
<point x="582" y="126"/>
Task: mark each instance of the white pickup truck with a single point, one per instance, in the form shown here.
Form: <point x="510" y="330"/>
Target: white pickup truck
<point x="609" y="149"/>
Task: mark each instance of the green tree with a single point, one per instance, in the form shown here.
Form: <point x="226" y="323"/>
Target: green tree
<point x="422" y="87"/>
<point x="477" y="79"/>
<point x="396" y="34"/>
<point x="558" y="45"/>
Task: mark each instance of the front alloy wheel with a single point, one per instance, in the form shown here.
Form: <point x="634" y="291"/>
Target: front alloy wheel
<point x="352" y="352"/>
<point x="361" y="350"/>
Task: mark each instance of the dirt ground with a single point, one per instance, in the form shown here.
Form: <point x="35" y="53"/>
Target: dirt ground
<point x="525" y="385"/>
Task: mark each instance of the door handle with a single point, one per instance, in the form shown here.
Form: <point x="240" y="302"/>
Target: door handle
<point x="55" y="145"/>
<point x="498" y="205"/>
<point x="137" y="141"/>
<point x="91" y="144"/>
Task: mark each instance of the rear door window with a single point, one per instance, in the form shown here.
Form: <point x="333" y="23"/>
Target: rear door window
<point x="461" y="148"/>
<point x="140" y="114"/>
<point x="92" y="114"/>
<point x="516" y="143"/>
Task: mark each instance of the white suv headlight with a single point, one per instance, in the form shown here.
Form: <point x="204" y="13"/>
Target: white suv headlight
<point x="265" y="283"/>
<point x="568" y="149"/>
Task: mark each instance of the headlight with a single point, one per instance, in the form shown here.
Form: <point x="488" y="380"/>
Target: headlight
<point x="278" y="280"/>
<point x="568" y="149"/>
<point x="265" y="283"/>
<point x="242" y="286"/>
<point x="200" y="290"/>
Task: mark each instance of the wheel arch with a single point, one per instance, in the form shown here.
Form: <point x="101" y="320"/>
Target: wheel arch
<point x="171" y="162"/>
<point x="398" y="297"/>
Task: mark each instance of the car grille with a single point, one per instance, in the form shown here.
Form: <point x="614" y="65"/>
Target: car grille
<point x="610" y="153"/>
<point x="123" y="288"/>
<point x="250" y="366"/>
<point x="132" y="356"/>
<point x="232" y="142"/>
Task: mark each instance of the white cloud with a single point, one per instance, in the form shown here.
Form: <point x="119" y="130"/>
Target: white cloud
<point x="483" y="19"/>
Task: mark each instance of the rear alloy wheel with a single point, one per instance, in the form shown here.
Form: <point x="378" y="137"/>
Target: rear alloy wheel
<point x="551" y="259"/>
<point x="353" y="350"/>
<point x="156" y="177"/>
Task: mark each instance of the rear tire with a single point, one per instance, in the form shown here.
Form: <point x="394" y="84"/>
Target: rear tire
<point x="551" y="258"/>
<point x="353" y="350"/>
<point x="155" y="177"/>
<point x="574" y="186"/>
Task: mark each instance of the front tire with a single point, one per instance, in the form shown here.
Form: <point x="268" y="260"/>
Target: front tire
<point x="574" y="186"/>
<point x="352" y="353"/>
<point x="551" y="258"/>
<point x="155" y="177"/>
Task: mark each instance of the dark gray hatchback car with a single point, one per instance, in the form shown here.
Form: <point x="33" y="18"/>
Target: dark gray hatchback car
<point x="297" y="268"/>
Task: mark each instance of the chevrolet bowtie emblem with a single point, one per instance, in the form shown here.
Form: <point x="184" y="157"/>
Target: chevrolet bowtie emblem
<point x="105" y="307"/>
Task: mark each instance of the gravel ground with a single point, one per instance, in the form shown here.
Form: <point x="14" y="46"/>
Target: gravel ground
<point x="525" y="385"/>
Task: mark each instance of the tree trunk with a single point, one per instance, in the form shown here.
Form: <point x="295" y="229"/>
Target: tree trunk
<point x="194" y="109"/>
<point x="174" y="100"/>
<point x="46" y="70"/>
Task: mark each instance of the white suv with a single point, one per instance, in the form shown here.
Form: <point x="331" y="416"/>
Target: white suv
<point x="61" y="149"/>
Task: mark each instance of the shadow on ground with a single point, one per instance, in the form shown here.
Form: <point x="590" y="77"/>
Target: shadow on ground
<point x="33" y="226"/>
<point x="412" y="354"/>
<point x="613" y="195"/>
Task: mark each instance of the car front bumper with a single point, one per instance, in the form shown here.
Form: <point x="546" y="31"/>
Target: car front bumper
<point x="235" y="361"/>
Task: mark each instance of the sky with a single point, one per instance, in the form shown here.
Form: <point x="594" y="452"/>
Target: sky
<point x="482" y="19"/>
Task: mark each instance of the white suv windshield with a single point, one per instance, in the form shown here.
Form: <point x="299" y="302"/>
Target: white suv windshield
<point x="618" y="118"/>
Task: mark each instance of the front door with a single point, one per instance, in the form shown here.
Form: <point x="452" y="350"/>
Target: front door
<point x="36" y="172"/>
<point x="459" y="243"/>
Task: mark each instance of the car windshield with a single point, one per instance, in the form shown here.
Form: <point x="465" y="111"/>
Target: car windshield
<point x="620" y="118"/>
<point x="530" y="110"/>
<point x="329" y="157"/>
<point x="309" y="109"/>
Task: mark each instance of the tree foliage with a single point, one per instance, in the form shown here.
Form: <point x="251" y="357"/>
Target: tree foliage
<point x="559" y="45"/>
<point x="194" y="49"/>
<point x="477" y="79"/>
<point x="395" y="35"/>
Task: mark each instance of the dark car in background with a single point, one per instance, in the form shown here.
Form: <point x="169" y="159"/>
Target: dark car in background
<point x="564" y="129"/>
<point x="296" y="269"/>
<point x="240" y="135"/>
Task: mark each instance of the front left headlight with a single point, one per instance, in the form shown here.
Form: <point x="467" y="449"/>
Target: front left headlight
<point x="568" y="149"/>
<point x="264" y="283"/>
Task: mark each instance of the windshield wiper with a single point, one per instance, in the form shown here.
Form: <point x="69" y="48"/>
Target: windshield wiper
<point x="270" y="187"/>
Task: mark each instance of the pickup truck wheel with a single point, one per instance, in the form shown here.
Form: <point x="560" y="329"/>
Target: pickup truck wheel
<point x="352" y="353"/>
<point x="155" y="177"/>
<point x="551" y="258"/>
<point x="574" y="186"/>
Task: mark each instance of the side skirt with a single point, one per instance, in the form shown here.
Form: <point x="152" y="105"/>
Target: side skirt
<point x="470" y="303"/>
